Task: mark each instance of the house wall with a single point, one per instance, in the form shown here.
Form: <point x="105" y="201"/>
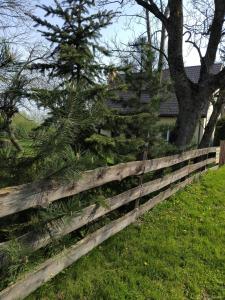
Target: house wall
<point x="170" y="122"/>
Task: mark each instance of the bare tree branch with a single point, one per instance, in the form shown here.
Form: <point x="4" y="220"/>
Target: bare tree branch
<point x="153" y="8"/>
<point x="215" y="37"/>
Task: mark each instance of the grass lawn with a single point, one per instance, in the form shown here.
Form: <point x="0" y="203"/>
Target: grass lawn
<point x="176" y="251"/>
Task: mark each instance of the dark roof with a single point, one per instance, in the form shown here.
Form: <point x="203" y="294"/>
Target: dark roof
<point x="193" y="72"/>
<point x="168" y="108"/>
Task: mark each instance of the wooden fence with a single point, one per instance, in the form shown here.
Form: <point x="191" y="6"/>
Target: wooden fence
<point x="188" y="166"/>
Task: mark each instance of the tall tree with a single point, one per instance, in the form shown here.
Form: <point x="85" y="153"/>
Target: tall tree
<point x="75" y="43"/>
<point x="133" y="121"/>
<point x="162" y="41"/>
<point x="191" y="97"/>
<point x="76" y="102"/>
<point x="218" y="102"/>
<point x="153" y="31"/>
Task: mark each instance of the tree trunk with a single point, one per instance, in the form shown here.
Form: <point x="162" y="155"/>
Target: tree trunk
<point x="162" y="44"/>
<point x="209" y="129"/>
<point x="13" y="139"/>
<point x="148" y="27"/>
<point x="190" y="111"/>
<point x="149" y="36"/>
<point x="190" y="104"/>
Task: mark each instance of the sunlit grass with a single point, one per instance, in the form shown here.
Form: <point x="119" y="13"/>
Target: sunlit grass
<point x="176" y="251"/>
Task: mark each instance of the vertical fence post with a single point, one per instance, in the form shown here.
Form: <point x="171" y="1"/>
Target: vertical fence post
<point x="145" y="157"/>
<point x="217" y="155"/>
<point x="222" y="153"/>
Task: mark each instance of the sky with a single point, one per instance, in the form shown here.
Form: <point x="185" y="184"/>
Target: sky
<point x="123" y="30"/>
<point x="127" y="28"/>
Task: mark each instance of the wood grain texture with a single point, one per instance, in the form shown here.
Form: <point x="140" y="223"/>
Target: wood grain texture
<point x="19" y="198"/>
<point x="222" y="153"/>
<point x="53" y="266"/>
<point x="56" y="229"/>
<point x="217" y="155"/>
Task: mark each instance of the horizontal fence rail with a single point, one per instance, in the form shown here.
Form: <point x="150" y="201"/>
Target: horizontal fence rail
<point x="20" y="198"/>
<point x="55" y="265"/>
<point x="35" y="240"/>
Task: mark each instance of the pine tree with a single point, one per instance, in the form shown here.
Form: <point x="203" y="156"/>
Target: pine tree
<point x="132" y="122"/>
<point x="75" y="43"/>
<point x="76" y="104"/>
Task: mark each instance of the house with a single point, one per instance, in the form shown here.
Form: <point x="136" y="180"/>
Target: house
<point x="168" y="110"/>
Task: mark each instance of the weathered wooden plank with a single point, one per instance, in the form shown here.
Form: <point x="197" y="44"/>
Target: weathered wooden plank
<point x="35" y="240"/>
<point x="222" y="153"/>
<point x="49" y="269"/>
<point x="19" y="198"/>
<point x="217" y="155"/>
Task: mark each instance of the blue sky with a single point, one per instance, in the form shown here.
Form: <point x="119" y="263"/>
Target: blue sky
<point x="119" y="30"/>
<point x="119" y="27"/>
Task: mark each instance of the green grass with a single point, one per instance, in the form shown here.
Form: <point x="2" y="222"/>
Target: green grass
<point x="176" y="251"/>
<point x="23" y="123"/>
